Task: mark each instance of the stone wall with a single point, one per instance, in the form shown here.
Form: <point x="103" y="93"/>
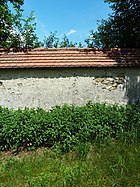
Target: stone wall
<point x="45" y="88"/>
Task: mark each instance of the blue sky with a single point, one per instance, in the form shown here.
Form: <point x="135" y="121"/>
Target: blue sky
<point x="71" y="17"/>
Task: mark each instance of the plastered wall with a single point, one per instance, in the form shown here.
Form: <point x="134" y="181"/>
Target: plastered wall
<point x="20" y="88"/>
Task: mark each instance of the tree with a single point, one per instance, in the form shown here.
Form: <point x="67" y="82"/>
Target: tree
<point x="6" y="19"/>
<point x="15" y="30"/>
<point x="18" y="3"/>
<point x="26" y="36"/>
<point x="66" y="42"/>
<point x="122" y="29"/>
<point x="52" y="41"/>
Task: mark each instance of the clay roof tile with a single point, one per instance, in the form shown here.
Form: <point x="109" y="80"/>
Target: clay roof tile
<point x="69" y="57"/>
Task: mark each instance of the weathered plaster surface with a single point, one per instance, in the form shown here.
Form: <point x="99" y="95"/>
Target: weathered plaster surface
<point x="49" y="87"/>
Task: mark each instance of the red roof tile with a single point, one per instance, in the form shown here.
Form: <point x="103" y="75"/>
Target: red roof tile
<point x="69" y="57"/>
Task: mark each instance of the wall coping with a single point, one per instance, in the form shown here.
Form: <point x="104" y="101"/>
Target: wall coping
<point x="69" y="57"/>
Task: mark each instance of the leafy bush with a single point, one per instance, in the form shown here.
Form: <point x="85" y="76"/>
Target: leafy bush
<point x="66" y="126"/>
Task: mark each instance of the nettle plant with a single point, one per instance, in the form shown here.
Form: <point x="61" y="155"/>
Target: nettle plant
<point x="67" y="126"/>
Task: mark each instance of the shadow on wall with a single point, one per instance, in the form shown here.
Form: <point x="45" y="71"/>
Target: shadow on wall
<point x="128" y="63"/>
<point x="129" y="58"/>
<point x="133" y="89"/>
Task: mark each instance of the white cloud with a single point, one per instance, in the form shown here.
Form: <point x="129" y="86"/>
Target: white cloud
<point x="72" y="31"/>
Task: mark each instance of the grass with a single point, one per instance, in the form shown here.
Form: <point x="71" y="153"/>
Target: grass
<point x="96" y="145"/>
<point x="113" y="165"/>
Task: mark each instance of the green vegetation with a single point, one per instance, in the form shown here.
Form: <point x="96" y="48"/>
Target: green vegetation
<point x="92" y="145"/>
<point x="52" y="41"/>
<point x="6" y="19"/>
<point x="121" y="29"/>
<point x="16" y="30"/>
<point x="66" y="126"/>
<point x="115" y="165"/>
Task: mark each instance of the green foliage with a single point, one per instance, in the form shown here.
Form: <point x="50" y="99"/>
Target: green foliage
<point x="67" y="126"/>
<point x="16" y="31"/>
<point x="15" y="2"/>
<point x="6" y="19"/>
<point x="52" y="41"/>
<point x="122" y="29"/>
<point x="66" y="43"/>
<point x="26" y="27"/>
